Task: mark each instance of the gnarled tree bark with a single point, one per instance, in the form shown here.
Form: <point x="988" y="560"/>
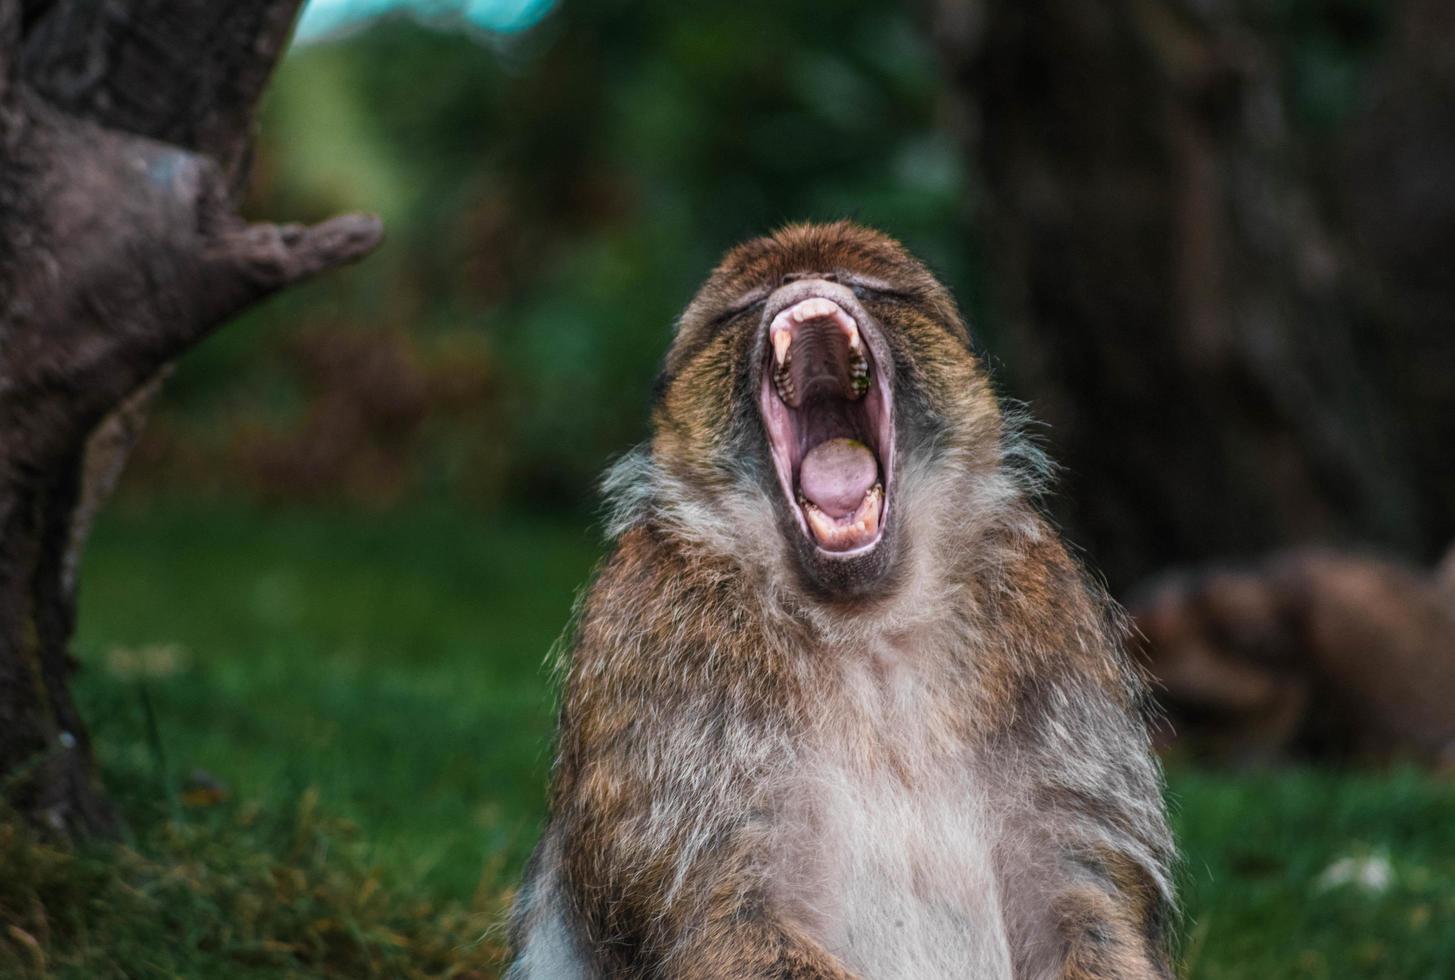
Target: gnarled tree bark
<point x="124" y="136"/>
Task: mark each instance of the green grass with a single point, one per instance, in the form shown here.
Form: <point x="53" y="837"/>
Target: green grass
<point x="370" y="690"/>
<point x="394" y="663"/>
<point x="1260" y="877"/>
<point x="237" y="892"/>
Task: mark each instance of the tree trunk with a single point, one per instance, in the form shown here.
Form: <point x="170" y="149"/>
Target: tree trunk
<point x="124" y="136"/>
<point x="1236" y="322"/>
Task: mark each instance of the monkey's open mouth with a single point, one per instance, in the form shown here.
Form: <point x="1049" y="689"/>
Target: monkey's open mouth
<point x="827" y="410"/>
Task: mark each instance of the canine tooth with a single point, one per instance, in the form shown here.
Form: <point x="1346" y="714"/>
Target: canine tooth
<point x="782" y="340"/>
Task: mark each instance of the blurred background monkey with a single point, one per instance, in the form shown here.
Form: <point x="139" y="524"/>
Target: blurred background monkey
<point x="839" y="703"/>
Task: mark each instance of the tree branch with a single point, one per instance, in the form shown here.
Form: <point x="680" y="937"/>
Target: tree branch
<point x="118" y="289"/>
<point x="267" y="257"/>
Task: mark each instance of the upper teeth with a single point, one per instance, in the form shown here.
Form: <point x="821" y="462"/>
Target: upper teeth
<point x="782" y="340"/>
<point x="806" y="311"/>
<point x="784" y="327"/>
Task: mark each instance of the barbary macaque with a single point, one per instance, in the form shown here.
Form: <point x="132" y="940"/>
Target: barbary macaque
<point x="839" y="703"/>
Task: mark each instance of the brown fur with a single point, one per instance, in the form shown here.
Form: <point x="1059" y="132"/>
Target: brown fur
<point x="1309" y="653"/>
<point x="718" y="710"/>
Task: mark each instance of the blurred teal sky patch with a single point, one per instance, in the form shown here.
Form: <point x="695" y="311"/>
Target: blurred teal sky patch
<point x="324" y="18"/>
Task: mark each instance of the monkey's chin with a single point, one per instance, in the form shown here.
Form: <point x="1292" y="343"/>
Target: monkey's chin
<point x="827" y="411"/>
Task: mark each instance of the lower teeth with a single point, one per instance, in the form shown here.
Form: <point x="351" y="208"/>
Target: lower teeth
<point x="874" y="491"/>
<point x="830" y="533"/>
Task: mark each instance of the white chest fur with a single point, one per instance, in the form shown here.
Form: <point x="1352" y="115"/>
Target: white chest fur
<point x="895" y="874"/>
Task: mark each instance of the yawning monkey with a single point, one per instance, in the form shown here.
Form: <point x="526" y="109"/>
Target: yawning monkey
<point x="839" y="704"/>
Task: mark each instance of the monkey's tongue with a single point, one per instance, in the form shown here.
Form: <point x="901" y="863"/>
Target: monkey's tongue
<point x="840" y="494"/>
<point x="836" y="475"/>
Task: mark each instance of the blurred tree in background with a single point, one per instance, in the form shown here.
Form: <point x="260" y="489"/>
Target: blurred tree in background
<point x="1220" y="237"/>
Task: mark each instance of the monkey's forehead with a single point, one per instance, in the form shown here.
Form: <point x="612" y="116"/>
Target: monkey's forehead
<point x="832" y="247"/>
<point x="754" y="268"/>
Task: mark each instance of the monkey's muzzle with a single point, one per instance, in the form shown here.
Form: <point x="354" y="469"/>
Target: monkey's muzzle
<point x="826" y="406"/>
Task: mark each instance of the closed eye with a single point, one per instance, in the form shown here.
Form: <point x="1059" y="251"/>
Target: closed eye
<point x="748" y="304"/>
<point x="865" y="291"/>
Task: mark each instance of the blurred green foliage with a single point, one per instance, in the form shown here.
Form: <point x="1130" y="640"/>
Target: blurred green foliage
<point x="552" y="200"/>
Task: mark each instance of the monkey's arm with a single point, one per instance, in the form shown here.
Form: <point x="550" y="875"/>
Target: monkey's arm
<point x="1103" y="905"/>
<point x="741" y="940"/>
<point x="1090" y="853"/>
<point x="1085" y="862"/>
<point x="1083" y="912"/>
<point x="737" y="938"/>
<point x="1112" y="930"/>
<point x="687" y="900"/>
